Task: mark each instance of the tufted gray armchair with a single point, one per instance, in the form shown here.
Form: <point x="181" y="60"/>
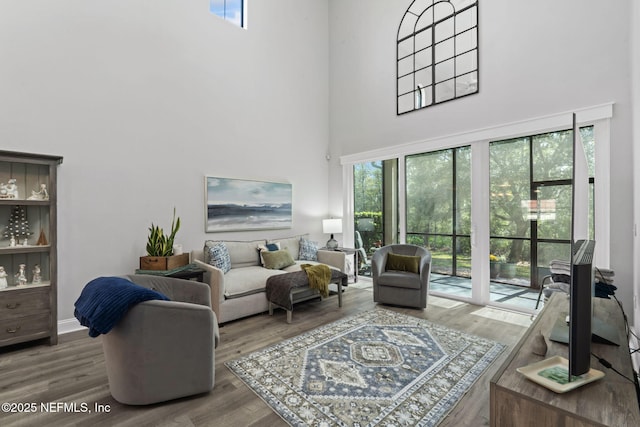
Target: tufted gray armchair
<point x="401" y="286"/>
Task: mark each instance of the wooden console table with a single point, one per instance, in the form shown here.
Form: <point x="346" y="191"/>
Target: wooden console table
<point x="610" y="401"/>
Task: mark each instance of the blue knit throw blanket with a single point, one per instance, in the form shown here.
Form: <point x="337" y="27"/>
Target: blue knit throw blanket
<point x="105" y="300"/>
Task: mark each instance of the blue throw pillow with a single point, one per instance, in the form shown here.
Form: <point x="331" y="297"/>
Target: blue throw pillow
<point x="219" y="256"/>
<point x="308" y="250"/>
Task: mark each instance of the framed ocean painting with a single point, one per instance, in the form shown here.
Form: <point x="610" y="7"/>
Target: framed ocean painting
<point x="241" y="205"/>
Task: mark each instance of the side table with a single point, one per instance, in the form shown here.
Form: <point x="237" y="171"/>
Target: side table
<point x="187" y="272"/>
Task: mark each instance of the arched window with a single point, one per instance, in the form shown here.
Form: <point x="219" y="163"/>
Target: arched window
<point x="437" y="53"/>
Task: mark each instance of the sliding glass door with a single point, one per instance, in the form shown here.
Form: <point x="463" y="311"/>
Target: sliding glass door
<point x="518" y="190"/>
<point x="375" y="197"/>
<point x="530" y="209"/>
<point x="438" y="215"/>
<point x="509" y="226"/>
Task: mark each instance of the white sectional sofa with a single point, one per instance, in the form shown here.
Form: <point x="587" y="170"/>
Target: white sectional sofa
<point x="240" y="291"/>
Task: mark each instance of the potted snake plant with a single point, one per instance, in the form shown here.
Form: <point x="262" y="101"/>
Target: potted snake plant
<point x="160" y="254"/>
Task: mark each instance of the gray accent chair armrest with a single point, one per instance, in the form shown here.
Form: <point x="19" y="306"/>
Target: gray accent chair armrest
<point x="163" y="350"/>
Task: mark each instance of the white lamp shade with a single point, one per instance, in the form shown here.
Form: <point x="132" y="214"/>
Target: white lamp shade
<point x="330" y="226"/>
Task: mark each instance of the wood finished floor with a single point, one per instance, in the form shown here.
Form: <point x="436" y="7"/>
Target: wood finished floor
<point x="74" y="370"/>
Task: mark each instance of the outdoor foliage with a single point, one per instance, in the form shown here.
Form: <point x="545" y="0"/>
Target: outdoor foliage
<point x="368" y="198"/>
<point x="438" y="200"/>
<point x="435" y="205"/>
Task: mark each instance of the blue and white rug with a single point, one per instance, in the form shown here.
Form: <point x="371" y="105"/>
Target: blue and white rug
<point x="378" y="368"/>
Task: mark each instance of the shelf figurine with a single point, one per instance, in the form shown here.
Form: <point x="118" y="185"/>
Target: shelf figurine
<point x="9" y="190"/>
<point x="42" y="239"/>
<point x="37" y="277"/>
<point x="22" y="275"/>
<point x="3" y="278"/>
<point x="42" y="194"/>
<point x="18" y="227"/>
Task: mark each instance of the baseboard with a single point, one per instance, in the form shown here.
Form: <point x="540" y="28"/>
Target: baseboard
<point x="69" y="325"/>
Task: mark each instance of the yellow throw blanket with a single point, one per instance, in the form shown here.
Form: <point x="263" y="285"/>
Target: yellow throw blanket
<point x="319" y="277"/>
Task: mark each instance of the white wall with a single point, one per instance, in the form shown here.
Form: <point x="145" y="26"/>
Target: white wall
<point x="536" y="58"/>
<point x="635" y="75"/>
<point x="145" y="98"/>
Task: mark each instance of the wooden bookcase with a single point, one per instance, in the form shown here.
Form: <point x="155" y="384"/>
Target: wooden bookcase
<point x="610" y="401"/>
<point x="28" y="311"/>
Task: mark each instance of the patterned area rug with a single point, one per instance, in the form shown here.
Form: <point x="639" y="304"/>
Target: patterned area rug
<point x="376" y="368"/>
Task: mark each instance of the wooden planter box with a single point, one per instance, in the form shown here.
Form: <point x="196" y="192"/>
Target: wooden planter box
<point x="163" y="262"/>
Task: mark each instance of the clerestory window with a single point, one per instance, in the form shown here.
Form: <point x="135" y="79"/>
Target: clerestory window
<point x="231" y="10"/>
<point x="437" y="53"/>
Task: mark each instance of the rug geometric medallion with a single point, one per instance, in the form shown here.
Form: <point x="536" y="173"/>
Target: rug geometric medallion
<point x="378" y="368"/>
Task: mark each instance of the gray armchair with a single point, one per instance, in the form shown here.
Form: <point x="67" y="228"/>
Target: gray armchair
<point x="401" y="286"/>
<point x="163" y="350"/>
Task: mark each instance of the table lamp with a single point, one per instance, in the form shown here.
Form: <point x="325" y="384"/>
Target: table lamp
<point x="330" y="226"/>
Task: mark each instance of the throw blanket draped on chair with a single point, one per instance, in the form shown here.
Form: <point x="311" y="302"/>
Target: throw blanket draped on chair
<point x="105" y="300"/>
<point x="319" y="277"/>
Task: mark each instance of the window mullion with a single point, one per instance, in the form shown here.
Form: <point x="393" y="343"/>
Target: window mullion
<point x="454" y="211"/>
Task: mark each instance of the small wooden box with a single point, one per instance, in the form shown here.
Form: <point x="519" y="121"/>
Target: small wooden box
<point x="163" y="262"/>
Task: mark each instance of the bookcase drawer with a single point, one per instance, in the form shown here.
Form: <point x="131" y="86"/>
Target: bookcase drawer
<point x="23" y="302"/>
<point x="25" y="328"/>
